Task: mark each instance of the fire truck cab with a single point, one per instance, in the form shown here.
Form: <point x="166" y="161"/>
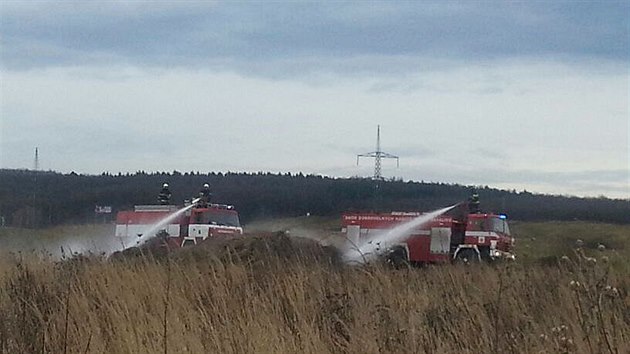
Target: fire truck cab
<point x="490" y="234"/>
<point x="211" y="221"/>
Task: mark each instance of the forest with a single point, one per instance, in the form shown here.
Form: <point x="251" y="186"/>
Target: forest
<point x="43" y="198"/>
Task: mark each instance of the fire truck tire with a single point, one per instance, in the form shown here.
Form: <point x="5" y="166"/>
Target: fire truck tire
<point x="484" y="253"/>
<point x="467" y="256"/>
<point x="162" y="235"/>
<point x="398" y="257"/>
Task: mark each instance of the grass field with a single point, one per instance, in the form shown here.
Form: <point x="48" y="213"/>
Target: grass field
<point x="280" y="294"/>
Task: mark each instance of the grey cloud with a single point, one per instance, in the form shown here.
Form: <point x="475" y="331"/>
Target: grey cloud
<point x="613" y="183"/>
<point x="594" y="177"/>
<point x="230" y="34"/>
<point x="85" y="140"/>
<point x="395" y="86"/>
<point x="488" y="153"/>
<point x="490" y="175"/>
<point x="417" y="151"/>
<point x="584" y="183"/>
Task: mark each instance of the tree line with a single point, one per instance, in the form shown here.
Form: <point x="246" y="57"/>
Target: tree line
<point x="38" y="198"/>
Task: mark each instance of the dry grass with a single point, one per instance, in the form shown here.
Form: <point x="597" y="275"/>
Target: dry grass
<point x="544" y="243"/>
<point x="275" y="295"/>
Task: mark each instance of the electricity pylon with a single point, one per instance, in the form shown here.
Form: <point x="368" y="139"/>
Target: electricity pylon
<point x="378" y="155"/>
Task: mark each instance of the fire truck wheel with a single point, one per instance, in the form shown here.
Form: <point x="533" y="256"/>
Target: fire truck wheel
<point x="467" y="256"/>
<point x="162" y="235"/>
<point x="398" y="257"/>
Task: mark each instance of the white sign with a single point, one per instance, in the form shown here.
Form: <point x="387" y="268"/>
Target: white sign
<point x="103" y="209"/>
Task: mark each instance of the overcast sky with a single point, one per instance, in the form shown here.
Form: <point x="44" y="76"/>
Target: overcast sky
<point x="517" y="95"/>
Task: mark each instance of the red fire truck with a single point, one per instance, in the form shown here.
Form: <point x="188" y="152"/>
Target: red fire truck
<point x="467" y="237"/>
<point x="194" y="225"/>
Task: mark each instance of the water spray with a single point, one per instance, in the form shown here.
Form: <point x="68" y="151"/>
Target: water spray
<point x="152" y="230"/>
<point x="371" y="248"/>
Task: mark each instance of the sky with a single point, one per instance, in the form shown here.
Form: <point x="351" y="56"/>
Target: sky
<point x="525" y="95"/>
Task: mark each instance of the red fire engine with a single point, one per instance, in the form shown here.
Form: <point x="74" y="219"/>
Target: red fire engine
<point x="195" y="225"/>
<point x="466" y="238"/>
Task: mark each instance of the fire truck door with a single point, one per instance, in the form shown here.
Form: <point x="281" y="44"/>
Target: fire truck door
<point x="440" y="240"/>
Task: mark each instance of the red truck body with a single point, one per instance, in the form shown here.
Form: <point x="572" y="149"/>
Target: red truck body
<point x="441" y="239"/>
<point x="193" y="226"/>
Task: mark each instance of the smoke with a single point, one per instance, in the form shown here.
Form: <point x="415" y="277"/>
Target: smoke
<point x="61" y="242"/>
<point x="67" y="241"/>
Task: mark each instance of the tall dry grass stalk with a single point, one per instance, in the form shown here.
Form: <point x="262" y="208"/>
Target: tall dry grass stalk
<point x="273" y="296"/>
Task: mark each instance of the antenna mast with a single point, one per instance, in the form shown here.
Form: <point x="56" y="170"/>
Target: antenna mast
<point x="378" y="155"/>
<point x="36" y="159"/>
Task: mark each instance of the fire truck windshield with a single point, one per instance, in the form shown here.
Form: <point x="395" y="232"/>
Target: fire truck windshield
<point x="224" y="219"/>
<point x="499" y="225"/>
